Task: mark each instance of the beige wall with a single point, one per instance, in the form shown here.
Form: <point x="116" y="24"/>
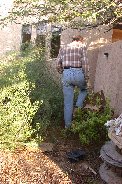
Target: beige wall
<point x="92" y="57"/>
<point x="67" y="34"/>
<point x="10" y="37"/>
<point x="92" y="37"/>
<point x="109" y="74"/>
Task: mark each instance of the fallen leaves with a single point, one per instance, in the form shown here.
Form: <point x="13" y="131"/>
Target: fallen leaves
<point x="32" y="166"/>
<point x="29" y="167"/>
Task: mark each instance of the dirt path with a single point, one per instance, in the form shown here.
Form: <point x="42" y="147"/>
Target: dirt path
<point x="32" y="166"/>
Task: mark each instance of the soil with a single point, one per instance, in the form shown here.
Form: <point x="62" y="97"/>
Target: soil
<point x="33" y="166"/>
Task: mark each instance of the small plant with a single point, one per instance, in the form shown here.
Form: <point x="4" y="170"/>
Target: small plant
<point x="89" y="122"/>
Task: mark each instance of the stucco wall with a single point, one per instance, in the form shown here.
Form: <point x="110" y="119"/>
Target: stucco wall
<point x="10" y="37"/>
<point x="92" y="37"/>
<point x="92" y="57"/>
<point x="109" y="74"/>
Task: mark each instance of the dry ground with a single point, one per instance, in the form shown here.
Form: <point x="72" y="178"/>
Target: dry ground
<point x="32" y="166"/>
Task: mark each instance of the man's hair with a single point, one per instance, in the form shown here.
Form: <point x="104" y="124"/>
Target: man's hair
<point x="77" y="38"/>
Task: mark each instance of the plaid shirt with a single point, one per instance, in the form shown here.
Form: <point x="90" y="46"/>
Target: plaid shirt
<point x="74" y="54"/>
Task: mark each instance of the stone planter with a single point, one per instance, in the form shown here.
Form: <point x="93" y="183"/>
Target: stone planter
<point x="111" y="153"/>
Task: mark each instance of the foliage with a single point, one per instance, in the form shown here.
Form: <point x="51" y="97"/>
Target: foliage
<point x="92" y="12"/>
<point x="30" y="100"/>
<point x="89" y="124"/>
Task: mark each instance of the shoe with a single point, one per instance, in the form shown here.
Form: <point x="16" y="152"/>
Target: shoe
<point x="67" y="127"/>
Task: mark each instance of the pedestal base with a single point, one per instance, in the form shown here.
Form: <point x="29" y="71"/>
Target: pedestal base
<point x="108" y="176"/>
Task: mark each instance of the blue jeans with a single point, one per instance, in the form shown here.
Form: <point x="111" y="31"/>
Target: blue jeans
<point x="70" y="78"/>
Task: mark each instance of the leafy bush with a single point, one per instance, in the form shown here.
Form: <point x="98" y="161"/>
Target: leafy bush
<point x="30" y="100"/>
<point x="89" y="123"/>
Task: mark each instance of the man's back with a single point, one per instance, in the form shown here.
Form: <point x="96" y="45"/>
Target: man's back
<point x="72" y="54"/>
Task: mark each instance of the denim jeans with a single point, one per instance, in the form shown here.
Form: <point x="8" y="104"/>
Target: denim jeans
<point x="70" y="79"/>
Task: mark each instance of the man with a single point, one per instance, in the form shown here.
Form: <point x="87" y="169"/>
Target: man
<point x="72" y="62"/>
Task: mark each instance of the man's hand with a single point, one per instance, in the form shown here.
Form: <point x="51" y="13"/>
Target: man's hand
<point x="60" y="69"/>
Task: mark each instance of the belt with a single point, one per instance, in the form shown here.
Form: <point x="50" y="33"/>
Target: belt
<point x="68" y="67"/>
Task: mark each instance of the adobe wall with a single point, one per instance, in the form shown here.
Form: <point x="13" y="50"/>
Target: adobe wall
<point x="109" y="74"/>
<point x="92" y="57"/>
<point x="92" y="37"/>
<point x="10" y="37"/>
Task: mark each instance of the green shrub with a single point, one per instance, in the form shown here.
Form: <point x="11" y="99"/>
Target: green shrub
<point x="89" y="123"/>
<point x="30" y="100"/>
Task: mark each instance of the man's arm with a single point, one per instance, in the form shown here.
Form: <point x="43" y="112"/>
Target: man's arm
<point x="59" y="62"/>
